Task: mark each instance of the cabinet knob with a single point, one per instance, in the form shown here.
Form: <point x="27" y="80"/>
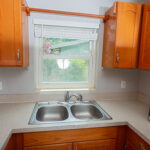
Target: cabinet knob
<point x="117" y="58"/>
<point x="18" y="56"/>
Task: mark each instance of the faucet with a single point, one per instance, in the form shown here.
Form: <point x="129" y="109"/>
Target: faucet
<point x="77" y="96"/>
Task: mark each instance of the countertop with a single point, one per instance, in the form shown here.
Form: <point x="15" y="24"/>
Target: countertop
<point x="14" y="118"/>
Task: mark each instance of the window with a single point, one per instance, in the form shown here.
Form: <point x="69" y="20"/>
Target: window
<point x="65" y="57"/>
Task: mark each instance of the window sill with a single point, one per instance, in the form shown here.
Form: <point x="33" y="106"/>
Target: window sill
<point x="62" y="90"/>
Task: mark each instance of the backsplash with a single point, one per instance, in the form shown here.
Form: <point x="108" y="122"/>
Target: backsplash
<point x="22" y="98"/>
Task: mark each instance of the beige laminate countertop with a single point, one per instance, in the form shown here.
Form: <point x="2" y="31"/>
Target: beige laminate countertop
<point x="14" y="118"/>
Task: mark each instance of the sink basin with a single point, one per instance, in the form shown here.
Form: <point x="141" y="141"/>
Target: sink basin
<point x="52" y="113"/>
<point x="86" y="112"/>
<point x="66" y="112"/>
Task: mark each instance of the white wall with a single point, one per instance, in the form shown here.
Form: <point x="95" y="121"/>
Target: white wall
<point x="87" y="6"/>
<point x="17" y="80"/>
<point x="144" y="82"/>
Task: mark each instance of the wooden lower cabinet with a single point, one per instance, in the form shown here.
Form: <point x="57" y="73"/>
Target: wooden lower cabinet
<point x="103" y="138"/>
<point x="130" y="146"/>
<point x="51" y="147"/>
<point x="134" y="142"/>
<point x="15" y="142"/>
<point x="95" y="145"/>
<point x="11" y="143"/>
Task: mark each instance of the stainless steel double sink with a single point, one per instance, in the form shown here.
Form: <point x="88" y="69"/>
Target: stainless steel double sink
<point x="54" y="112"/>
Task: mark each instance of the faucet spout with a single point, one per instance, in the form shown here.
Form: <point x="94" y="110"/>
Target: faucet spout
<point x="67" y="97"/>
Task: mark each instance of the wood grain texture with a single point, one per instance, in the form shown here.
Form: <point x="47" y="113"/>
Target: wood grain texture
<point x="95" y="145"/>
<point x="66" y="13"/>
<point x="25" y="35"/>
<point x="127" y="34"/>
<point x="11" y="143"/>
<point x="18" y="141"/>
<point x="7" y="34"/>
<point x="121" y="137"/>
<point x="144" y="59"/>
<point x="65" y="136"/>
<point x="130" y="146"/>
<point x="121" y="36"/>
<point x="51" y="147"/>
<point x="15" y="142"/>
<point x="136" y="141"/>
<point x="11" y="34"/>
<point x="109" y="38"/>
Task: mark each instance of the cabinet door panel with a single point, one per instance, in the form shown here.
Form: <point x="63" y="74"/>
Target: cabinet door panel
<point x="135" y="140"/>
<point x="51" y="147"/>
<point x="11" y="144"/>
<point x="7" y="34"/>
<point x="127" y="35"/>
<point x="95" y="145"/>
<point x="18" y="31"/>
<point x="13" y="34"/>
<point x="144" y="62"/>
<point x="121" y="35"/>
<point x="130" y="146"/>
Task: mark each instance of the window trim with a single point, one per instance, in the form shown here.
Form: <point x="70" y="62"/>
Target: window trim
<point x="72" y="85"/>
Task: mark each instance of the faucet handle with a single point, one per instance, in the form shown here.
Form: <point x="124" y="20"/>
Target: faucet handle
<point x="79" y="97"/>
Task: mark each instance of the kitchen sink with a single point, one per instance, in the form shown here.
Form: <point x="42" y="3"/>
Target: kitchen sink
<point x="86" y="112"/>
<point x="54" y="112"/>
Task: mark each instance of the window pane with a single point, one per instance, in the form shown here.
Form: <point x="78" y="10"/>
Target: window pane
<point x="65" y="70"/>
<point x="66" y="47"/>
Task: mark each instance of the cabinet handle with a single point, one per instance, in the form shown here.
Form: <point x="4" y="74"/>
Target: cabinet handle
<point x="69" y="147"/>
<point x="117" y="58"/>
<point x="76" y="147"/>
<point x="18" y="55"/>
<point x="142" y="146"/>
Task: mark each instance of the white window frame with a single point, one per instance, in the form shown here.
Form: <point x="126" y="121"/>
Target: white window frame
<point x="65" y="85"/>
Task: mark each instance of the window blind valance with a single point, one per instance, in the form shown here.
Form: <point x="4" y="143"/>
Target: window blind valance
<point x="49" y="29"/>
<point x="66" y="33"/>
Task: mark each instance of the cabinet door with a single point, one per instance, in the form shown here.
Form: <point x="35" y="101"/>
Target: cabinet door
<point x="13" y="34"/>
<point x="51" y="147"/>
<point x="130" y="146"/>
<point x="133" y="140"/>
<point x="8" y="53"/>
<point x="144" y="62"/>
<point x="95" y="145"/>
<point x="11" y="144"/>
<point x="127" y="35"/>
<point x="121" y="35"/>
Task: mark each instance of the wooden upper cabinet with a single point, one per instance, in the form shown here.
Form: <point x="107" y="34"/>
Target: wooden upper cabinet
<point x="144" y="61"/>
<point x="95" y="145"/>
<point x="13" y="34"/>
<point x="121" y="35"/>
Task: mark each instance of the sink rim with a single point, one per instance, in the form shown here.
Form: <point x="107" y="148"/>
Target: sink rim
<point x="67" y="105"/>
